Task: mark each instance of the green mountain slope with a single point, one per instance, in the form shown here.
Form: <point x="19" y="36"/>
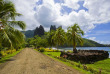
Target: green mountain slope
<point x="28" y="33"/>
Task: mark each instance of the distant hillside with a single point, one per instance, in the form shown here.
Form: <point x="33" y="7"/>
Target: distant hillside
<point x="29" y="33"/>
<point x="92" y="43"/>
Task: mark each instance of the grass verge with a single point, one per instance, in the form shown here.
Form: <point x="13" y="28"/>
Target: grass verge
<point x="4" y="59"/>
<point x="100" y="67"/>
<point x="67" y="62"/>
<point x="104" y="65"/>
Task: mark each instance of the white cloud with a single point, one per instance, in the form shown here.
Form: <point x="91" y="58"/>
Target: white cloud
<point x="71" y="4"/>
<point x="92" y="38"/>
<point x="104" y="42"/>
<point x="26" y="8"/>
<point x="99" y="10"/>
<point x="49" y="13"/>
<point x="99" y="41"/>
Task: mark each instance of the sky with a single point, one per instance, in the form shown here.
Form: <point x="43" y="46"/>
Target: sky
<point x="93" y="16"/>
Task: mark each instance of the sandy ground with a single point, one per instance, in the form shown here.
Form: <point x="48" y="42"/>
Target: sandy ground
<point x="29" y="61"/>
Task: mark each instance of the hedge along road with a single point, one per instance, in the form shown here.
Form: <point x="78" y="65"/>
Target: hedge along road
<point x="29" y="61"/>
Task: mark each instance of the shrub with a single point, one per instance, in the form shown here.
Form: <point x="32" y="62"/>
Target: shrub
<point x="42" y="49"/>
<point x="69" y="51"/>
<point x="3" y="53"/>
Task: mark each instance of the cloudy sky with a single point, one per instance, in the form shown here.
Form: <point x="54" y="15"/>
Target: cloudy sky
<point x="93" y="16"/>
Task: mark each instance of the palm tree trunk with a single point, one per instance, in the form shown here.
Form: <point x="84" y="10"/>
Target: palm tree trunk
<point x="74" y="46"/>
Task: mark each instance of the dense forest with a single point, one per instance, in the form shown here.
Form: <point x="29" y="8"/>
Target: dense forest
<point x="41" y="32"/>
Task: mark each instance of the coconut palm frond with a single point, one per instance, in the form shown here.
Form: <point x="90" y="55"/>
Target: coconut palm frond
<point x="74" y="34"/>
<point x="20" y="24"/>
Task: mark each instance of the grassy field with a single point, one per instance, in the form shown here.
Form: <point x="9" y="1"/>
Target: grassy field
<point x="104" y="65"/>
<point x="4" y="59"/>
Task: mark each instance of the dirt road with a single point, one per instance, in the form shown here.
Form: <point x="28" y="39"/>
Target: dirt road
<point x="29" y="61"/>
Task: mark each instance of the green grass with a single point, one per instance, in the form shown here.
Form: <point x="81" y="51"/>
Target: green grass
<point x="66" y="62"/>
<point x="53" y="53"/>
<point x="4" y="59"/>
<point x="104" y="65"/>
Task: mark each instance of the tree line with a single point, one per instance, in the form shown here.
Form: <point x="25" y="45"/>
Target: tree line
<point x="57" y="37"/>
<point x="42" y="32"/>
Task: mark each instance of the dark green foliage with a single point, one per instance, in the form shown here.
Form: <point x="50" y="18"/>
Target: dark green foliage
<point x="37" y="42"/>
<point x="9" y="36"/>
<point x="42" y="50"/>
<point x="28" y="33"/>
<point x="59" y="37"/>
<point x="39" y="31"/>
<point x="49" y="38"/>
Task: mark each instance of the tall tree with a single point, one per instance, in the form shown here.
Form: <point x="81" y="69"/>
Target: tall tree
<point x="50" y="39"/>
<point x="74" y="35"/>
<point x="10" y="36"/>
<point x="59" y="37"/>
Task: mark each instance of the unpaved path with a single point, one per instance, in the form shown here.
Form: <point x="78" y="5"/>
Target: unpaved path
<point x="29" y="61"/>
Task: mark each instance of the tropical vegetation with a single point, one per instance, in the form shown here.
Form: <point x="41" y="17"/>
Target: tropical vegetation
<point x="59" y="37"/>
<point x="10" y="36"/>
<point x="74" y="35"/>
<point x="11" y="39"/>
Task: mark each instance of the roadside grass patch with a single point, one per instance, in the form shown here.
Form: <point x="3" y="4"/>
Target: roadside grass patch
<point x="104" y="65"/>
<point x="75" y="65"/>
<point x="8" y="56"/>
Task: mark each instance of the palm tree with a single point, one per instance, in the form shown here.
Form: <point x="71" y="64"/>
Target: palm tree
<point x="59" y="37"/>
<point x="50" y="39"/>
<point x="74" y="35"/>
<point x="10" y="36"/>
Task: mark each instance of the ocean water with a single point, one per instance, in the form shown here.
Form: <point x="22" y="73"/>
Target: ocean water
<point x="88" y="48"/>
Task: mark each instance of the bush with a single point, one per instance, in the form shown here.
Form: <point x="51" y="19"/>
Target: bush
<point x="69" y="51"/>
<point x="42" y="49"/>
